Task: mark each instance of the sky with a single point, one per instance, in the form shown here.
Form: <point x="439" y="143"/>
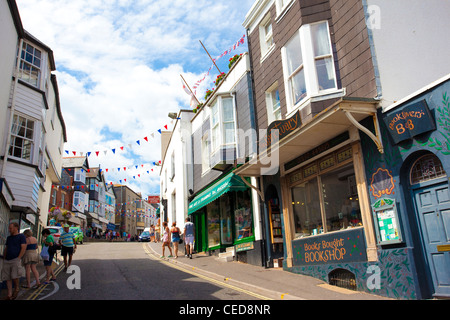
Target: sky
<point x="118" y="67"/>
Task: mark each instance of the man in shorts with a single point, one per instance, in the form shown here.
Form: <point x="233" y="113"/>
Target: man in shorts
<point x="15" y="248"/>
<point x="189" y="232"/>
<point x="68" y="245"/>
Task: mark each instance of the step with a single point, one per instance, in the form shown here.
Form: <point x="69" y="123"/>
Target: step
<point x="226" y="256"/>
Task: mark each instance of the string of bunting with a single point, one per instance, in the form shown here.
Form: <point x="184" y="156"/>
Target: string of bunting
<point x="116" y="149"/>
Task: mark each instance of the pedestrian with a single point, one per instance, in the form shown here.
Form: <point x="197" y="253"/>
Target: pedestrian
<point x="175" y="238"/>
<point x="152" y="233"/>
<point x="166" y="240"/>
<point x="189" y="234"/>
<point x="68" y="246"/>
<point x="30" y="259"/>
<point x="15" y="247"/>
<point x="49" y="242"/>
<point x="158" y="230"/>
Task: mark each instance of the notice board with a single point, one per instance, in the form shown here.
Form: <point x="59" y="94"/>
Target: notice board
<point x="387" y="224"/>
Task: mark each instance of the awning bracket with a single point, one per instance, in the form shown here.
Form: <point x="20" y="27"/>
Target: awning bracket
<point x="375" y="137"/>
<point x="253" y="187"/>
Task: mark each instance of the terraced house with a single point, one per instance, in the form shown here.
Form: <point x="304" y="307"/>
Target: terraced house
<point x="32" y="129"/>
<point x="327" y="74"/>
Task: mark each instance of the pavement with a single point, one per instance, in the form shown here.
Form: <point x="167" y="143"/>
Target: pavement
<point x="263" y="283"/>
<point x="269" y="283"/>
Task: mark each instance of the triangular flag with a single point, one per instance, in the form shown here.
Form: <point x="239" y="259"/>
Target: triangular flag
<point x="97" y="152"/>
<point x="74" y="153"/>
<point x="114" y="151"/>
<point x="138" y="142"/>
<point x="67" y="151"/>
<point x="165" y="126"/>
<point x="146" y="139"/>
<point x="159" y="130"/>
<point x="121" y="148"/>
<point x="88" y="154"/>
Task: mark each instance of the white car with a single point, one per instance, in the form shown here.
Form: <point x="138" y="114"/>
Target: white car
<point x="55" y="232"/>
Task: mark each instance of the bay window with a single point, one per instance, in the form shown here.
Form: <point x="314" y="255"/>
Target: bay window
<point x="223" y="131"/>
<point x="308" y="64"/>
<point x="22" y="138"/>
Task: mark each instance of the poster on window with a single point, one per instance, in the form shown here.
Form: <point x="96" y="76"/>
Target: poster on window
<point x="387" y="225"/>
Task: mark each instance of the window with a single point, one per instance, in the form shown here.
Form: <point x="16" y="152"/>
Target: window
<point x="223" y="131"/>
<point x="308" y="64"/>
<point x="30" y="64"/>
<point x="273" y="104"/>
<point x="172" y="162"/>
<point x="205" y="153"/>
<point x="22" y="138"/>
<point x="53" y="197"/>
<point x="327" y="198"/>
<point x="80" y="175"/>
<point x="281" y="5"/>
<point x="266" y="36"/>
<point x="426" y="168"/>
<point x="243" y="217"/>
<point x="93" y="206"/>
<point x="79" y="201"/>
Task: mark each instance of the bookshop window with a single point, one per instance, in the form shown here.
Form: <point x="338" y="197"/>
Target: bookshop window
<point x="336" y="197"/>
<point x="243" y="215"/>
<point x="341" y="199"/>
<point x="306" y="205"/>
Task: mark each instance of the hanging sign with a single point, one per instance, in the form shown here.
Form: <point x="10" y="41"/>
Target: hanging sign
<point x="410" y="121"/>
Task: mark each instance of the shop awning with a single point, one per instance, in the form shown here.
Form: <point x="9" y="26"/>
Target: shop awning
<point x="331" y="122"/>
<point x="230" y="182"/>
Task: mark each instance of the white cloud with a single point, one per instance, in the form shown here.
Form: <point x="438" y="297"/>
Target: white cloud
<point x="119" y="64"/>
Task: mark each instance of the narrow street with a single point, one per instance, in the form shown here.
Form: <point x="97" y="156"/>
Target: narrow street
<point x="129" y="271"/>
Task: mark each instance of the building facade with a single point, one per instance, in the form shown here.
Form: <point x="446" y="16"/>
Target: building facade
<point x="32" y="127"/>
<point x="127" y="204"/>
<point x="322" y="70"/>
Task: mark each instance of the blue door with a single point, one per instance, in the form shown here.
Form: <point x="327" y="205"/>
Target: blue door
<point x="433" y="209"/>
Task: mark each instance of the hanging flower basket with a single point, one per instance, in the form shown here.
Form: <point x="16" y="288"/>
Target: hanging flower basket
<point x="233" y="60"/>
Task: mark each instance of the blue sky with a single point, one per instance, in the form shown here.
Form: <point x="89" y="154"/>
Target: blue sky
<point x="118" y="69"/>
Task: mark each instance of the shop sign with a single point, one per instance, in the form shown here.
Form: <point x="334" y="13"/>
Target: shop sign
<point x="410" y="121"/>
<point x="283" y="127"/>
<point x="153" y="199"/>
<point x="245" y="246"/>
<point x="346" y="246"/>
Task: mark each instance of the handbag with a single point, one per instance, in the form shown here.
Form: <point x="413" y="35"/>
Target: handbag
<point x="44" y="253"/>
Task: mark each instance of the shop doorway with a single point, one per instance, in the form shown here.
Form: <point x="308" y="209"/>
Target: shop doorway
<point x="199" y="220"/>
<point x="430" y="188"/>
<point x="275" y="223"/>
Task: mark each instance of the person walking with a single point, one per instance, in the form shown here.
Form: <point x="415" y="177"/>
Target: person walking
<point x="30" y="259"/>
<point x="68" y="246"/>
<point x="15" y="247"/>
<point x="175" y="238"/>
<point x="166" y="240"/>
<point x="189" y="235"/>
<point x="49" y="242"/>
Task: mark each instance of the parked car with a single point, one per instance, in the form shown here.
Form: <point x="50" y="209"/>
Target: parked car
<point x="55" y="232"/>
<point x="79" y="236"/>
<point x="145" y="236"/>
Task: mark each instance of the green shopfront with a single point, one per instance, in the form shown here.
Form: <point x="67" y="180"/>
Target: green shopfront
<point x="223" y="216"/>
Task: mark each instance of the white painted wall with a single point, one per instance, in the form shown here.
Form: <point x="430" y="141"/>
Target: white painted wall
<point x="410" y="40"/>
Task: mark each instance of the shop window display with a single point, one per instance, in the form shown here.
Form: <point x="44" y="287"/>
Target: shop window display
<point x="213" y="224"/>
<point x="331" y="206"/>
<point x="226" y="228"/>
<point x="243" y="215"/>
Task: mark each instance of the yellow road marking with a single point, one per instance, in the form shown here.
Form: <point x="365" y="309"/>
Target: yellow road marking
<point x="39" y="290"/>
<point x="205" y="277"/>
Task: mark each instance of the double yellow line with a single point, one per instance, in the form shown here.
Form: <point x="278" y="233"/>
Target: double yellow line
<point x="39" y="290"/>
<point x="196" y="274"/>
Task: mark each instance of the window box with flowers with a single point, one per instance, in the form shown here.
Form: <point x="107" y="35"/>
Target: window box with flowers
<point x="233" y="60"/>
<point x="219" y="78"/>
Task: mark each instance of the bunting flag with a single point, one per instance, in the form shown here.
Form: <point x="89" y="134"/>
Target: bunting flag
<point x="231" y="48"/>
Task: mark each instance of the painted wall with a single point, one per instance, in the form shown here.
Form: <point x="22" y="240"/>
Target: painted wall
<point x="410" y="46"/>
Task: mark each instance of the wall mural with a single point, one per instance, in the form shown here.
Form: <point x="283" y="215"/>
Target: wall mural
<point x="393" y="268"/>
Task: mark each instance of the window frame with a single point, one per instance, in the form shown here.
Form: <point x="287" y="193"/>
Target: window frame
<point x="271" y="112"/>
<point x="265" y="37"/>
<point x="308" y="65"/>
<point x="219" y="141"/>
<point x="27" y="75"/>
<point x="13" y="136"/>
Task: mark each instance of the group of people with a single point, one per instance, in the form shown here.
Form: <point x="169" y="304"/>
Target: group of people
<point x="173" y="235"/>
<point x="21" y="256"/>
